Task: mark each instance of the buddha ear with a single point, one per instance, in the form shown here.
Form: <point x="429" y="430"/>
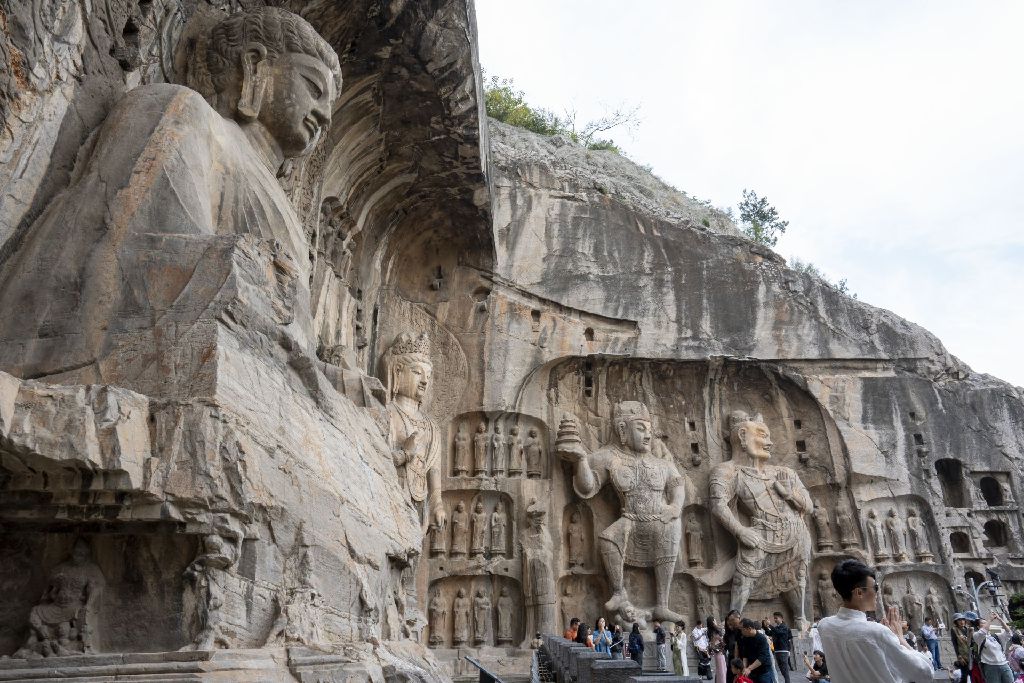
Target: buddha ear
<point x="255" y="77"/>
<point x="742" y="434"/>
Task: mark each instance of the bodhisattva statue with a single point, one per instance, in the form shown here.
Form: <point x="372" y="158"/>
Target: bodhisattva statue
<point x="102" y="281"/>
<point x="416" y="444"/>
<point x="694" y="542"/>
<point x="773" y="550"/>
<point x="828" y="599"/>
<point x="894" y="530"/>
<point x="481" y="617"/>
<point x="480" y="450"/>
<point x="933" y="607"/>
<point x="534" y="455"/>
<point x="515" y="454"/>
<point x="499" y="453"/>
<point x="462" y="452"/>
<point x="436" y="613"/>
<point x="918" y="537"/>
<point x="652" y="493"/>
<point x="460" y="616"/>
<point x="505" y="608"/>
<point x="877" y="537"/>
<point x="64" y="621"/>
<point x="537" y="571"/>
<point x="574" y="539"/>
<point x="460" y="530"/>
<point x="848" y="537"/>
<point x="913" y="608"/>
<point x="478" y="523"/>
<point x="499" y="524"/>
<point x="823" y="526"/>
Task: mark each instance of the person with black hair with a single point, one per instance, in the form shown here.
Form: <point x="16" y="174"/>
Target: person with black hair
<point x="661" y="646"/>
<point x="731" y="639"/>
<point x="782" y="640"/>
<point x="756" y="652"/>
<point x="636" y="645"/>
<point x="859" y="650"/>
<point x="818" y="669"/>
<point x="583" y="636"/>
<point x="618" y="642"/>
<point x="570" y="632"/>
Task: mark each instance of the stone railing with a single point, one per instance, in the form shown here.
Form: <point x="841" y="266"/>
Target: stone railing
<point x="576" y="663"/>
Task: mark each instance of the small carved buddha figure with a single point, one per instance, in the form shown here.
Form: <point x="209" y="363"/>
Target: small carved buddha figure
<point x="534" y="455"/>
<point x="480" y="450"/>
<point x="481" y="617"/>
<point x="694" y="542"/>
<point x="516" y="452"/>
<point x="460" y="617"/>
<point x="506" y="609"/>
<point x="499" y="524"/>
<point x="479" y="530"/>
<point x="437" y="611"/>
<point x="462" y="452"/>
<point x="460" y="530"/>
<point x="574" y="539"/>
<point x="499" y="453"/>
<point x="64" y="620"/>
<point x="823" y="526"/>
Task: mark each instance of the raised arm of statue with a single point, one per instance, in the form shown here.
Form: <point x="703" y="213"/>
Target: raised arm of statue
<point x="586" y="480"/>
<point x="436" y="502"/>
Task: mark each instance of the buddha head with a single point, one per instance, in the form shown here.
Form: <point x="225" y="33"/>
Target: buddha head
<point x="749" y="436"/>
<point x="409" y="367"/>
<point x="269" y="67"/>
<point x="633" y="425"/>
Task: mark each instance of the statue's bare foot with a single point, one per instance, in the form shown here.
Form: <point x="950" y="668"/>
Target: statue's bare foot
<point x="618" y="602"/>
<point x="663" y="613"/>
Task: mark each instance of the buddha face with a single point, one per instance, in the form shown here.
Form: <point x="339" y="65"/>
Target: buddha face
<point x="756" y="440"/>
<point x="412" y="379"/>
<point x="636" y="435"/>
<point x="297" y="105"/>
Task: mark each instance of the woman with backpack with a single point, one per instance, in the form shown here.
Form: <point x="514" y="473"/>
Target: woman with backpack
<point x="636" y="645"/>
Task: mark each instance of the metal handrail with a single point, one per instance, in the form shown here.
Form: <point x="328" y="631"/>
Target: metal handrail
<point x="485" y="675"/>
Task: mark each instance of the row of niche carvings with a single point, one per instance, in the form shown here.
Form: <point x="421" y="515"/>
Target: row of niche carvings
<point x="479" y="529"/>
<point x="512" y="451"/>
<point x="461" y="612"/>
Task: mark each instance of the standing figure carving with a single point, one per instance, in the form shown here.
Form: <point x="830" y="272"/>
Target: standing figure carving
<point x="877" y="537"/>
<point x="63" y="622"/>
<point x="499" y="525"/>
<point x="848" y="537"/>
<point x="506" y="608"/>
<point x="462" y="452"/>
<point x="694" y="542"/>
<point x="534" y="455"/>
<point x="913" y="608"/>
<point x="516" y="452"/>
<point x="652" y="493"/>
<point x="773" y="552"/>
<point x="460" y="617"/>
<point x="460" y="530"/>
<point x="894" y="531"/>
<point x="918" y="537"/>
<point x="823" y="527"/>
<point x="574" y="540"/>
<point x="416" y="444"/>
<point x="933" y="607"/>
<point x="480" y="450"/>
<point x="207" y="574"/>
<point x="888" y="598"/>
<point x="539" y="580"/>
<point x="499" y="453"/>
<point x="437" y="540"/>
<point x="437" y="611"/>
<point x="828" y="599"/>
<point x="481" y="617"/>
<point x="478" y="522"/>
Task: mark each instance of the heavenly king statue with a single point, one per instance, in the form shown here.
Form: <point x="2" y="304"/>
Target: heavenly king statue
<point x="652" y="493"/>
<point x="763" y="506"/>
<point x="415" y="439"/>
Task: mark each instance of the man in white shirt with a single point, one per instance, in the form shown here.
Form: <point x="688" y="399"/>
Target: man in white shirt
<point x="858" y="650"/>
<point x="993" y="663"/>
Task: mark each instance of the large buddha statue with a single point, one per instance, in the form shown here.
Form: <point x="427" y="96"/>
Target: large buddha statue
<point x="652" y="493"/>
<point x="416" y="443"/>
<point x="115" y="281"/>
<point x="763" y="506"/>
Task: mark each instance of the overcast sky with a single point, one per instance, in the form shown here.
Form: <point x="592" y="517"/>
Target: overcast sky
<point x="889" y="134"/>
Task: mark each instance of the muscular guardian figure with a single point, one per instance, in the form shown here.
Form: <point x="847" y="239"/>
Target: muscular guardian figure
<point x="763" y="506"/>
<point x="652" y="494"/>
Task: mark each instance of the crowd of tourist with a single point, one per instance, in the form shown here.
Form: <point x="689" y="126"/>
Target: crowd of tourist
<point x="856" y="646"/>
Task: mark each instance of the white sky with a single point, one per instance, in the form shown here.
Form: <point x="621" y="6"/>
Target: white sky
<point x="889" y="134"/>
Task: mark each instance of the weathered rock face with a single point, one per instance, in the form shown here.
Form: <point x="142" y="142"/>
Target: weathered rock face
<point x="426" y="382"/>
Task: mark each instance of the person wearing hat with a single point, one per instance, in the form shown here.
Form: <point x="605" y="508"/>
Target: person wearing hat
<point x="960" y="634"/>
<point x="990" y="650"/>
